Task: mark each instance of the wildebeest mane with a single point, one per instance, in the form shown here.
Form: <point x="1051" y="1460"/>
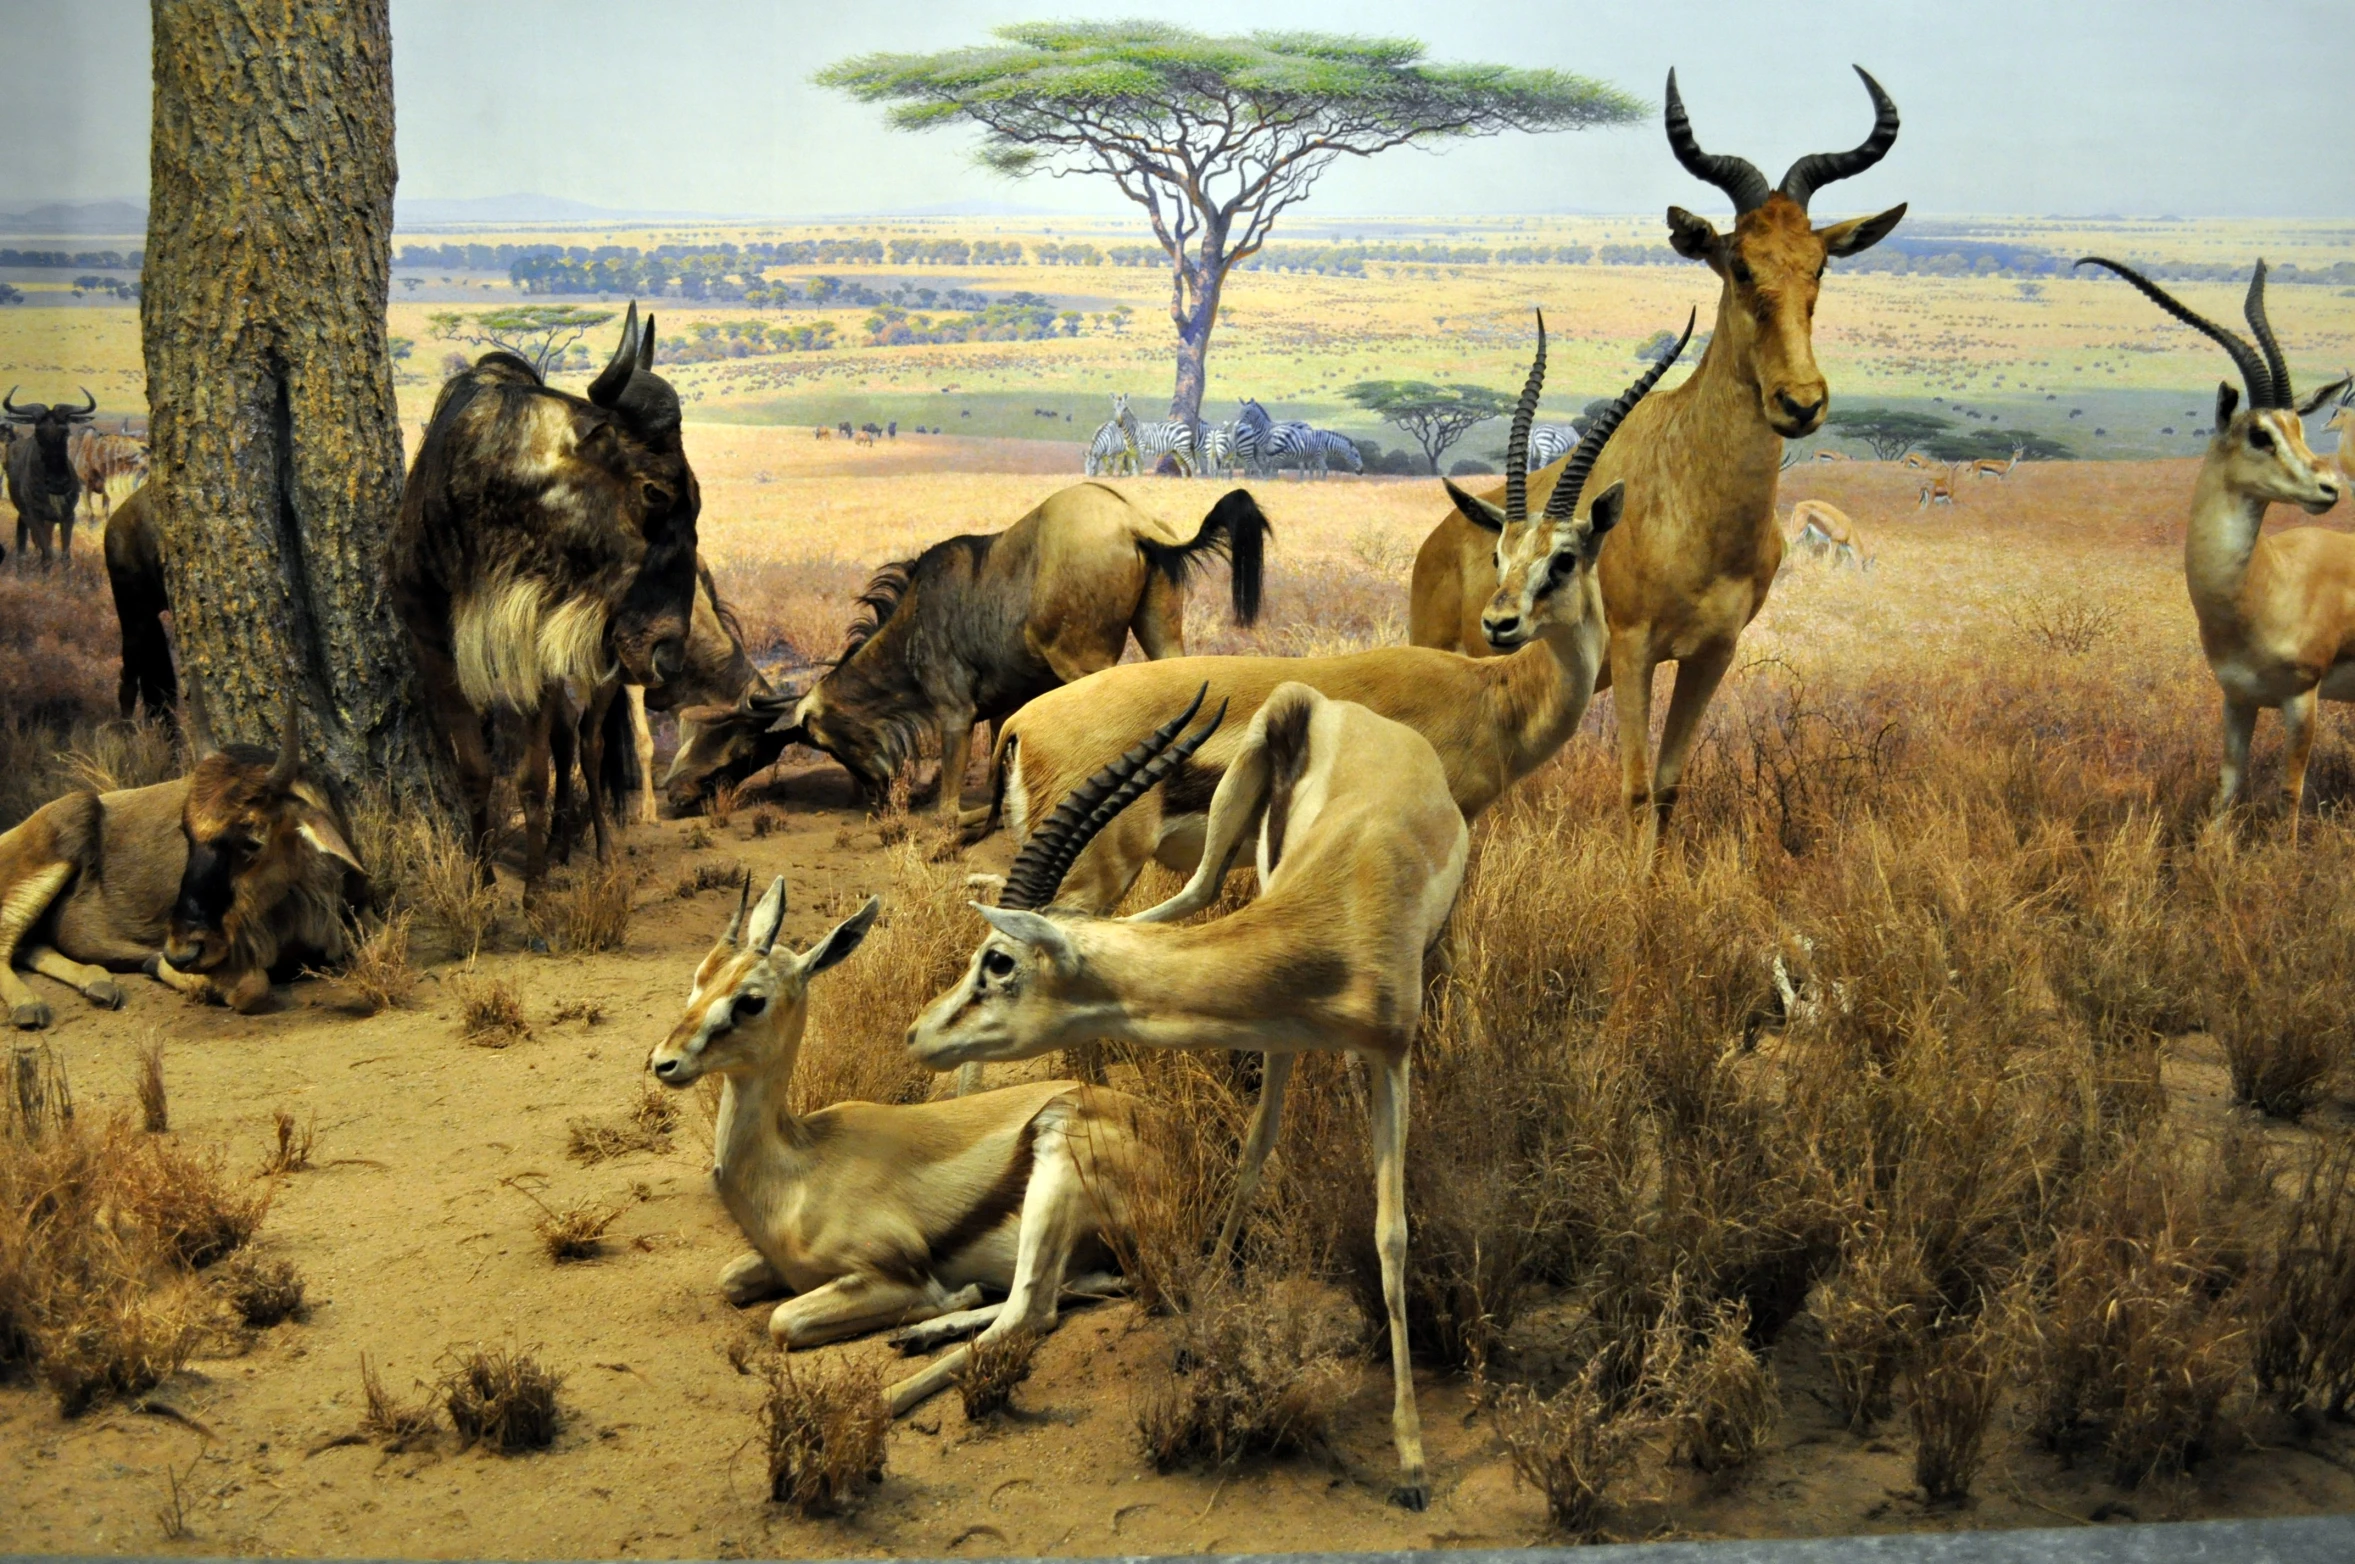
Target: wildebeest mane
<point x="888" y="587"/>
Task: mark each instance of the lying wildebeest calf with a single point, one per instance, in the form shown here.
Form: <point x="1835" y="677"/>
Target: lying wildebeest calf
<point x="974" y="627"/>
<point x="207" y="884"/>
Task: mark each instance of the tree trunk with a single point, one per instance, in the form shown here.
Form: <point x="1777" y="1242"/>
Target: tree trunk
<point x="1202" y="278"/>
<point x="276" y="442"/>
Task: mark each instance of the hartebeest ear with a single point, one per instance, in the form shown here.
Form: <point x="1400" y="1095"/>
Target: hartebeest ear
<point x="1602" y="516"/>
<point x="2227" y="398"/>
<point x="1477" y="511"/>
<point x="1859" y="234"/>
<point x="2314" y="403"/>
<point x="1690" y="234"/>
<point x="1040" y="934"/>
<point x="842" y="939"/>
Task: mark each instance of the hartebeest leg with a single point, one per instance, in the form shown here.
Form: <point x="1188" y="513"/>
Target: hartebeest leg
<point x="1266" y="1118"/>
<point x="2297" y="733"/>
<point x="1631" y="702"/>
<point x="1697" y="678"/>
<point x="2240" y="723"/>
<point x="1389" y="1109"/>
<point x="95" y="984"/>
<point x="642" y="734"/>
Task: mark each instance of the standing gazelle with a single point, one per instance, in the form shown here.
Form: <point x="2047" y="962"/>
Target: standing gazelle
<point x="1361" y="852"/>
<point x="2277" y="614"/>
<point x="875" y="1216"/>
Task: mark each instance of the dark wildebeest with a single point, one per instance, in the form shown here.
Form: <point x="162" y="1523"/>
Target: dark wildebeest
<point x="41" y="479"/>
<point x="975" y="626"/>
<point x="135" y="569"/>
<point x="210" y="884"/>
<point x="543" y="538"/>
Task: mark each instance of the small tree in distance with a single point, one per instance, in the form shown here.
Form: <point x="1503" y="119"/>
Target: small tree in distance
<point x="1970" y="445"/>
<point x="1434" y="417"/>
<point x="1889" y="432"/>
<point x="537" y="333"/>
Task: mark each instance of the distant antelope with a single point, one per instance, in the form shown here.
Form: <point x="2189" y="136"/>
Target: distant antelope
<point x="862" y="438"/>
<point x="1916" y="459"/>
<point x="823" y="433"/>
<point x="1824" y="530"/>
<point x="1989" y="467"/>
<point x="1829" y="455"/>
<point x="1937" y="490"/>
<point x="2276" y="613"/>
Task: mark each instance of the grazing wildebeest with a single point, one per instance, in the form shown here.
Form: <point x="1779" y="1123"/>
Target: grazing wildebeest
<point x="975" y="626"/>
<point x="208" y="884"/>
<point x="135" y="569"/>
<point x="543" y="537"/>
<point x="41" y="480"/>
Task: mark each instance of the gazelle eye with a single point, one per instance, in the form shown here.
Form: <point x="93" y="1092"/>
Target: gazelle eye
<point x="748" y="1006"/>
<point x="2259" y="438"/>
<point x="998" y="964"/>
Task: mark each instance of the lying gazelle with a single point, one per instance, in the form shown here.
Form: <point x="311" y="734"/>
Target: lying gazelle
<point x="1361" y="851"/>
<point x="2276" y="613"/>
<point x="877" y="1216"/>
<point x="1493" y="720"/>
<point x="1824" y="530"/>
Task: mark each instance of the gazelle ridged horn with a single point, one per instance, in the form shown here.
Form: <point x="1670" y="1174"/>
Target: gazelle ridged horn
<point x="2254" y="375"/>
<point x="1563" y="502"/>
<point x="1737" y="177"/>
<point x="2277" y="368"/>
<point x="743" y="897"/>
<point x="1818" y="169"/>
<point x="1517" y="442"/>
<point x="1039" y="868"/>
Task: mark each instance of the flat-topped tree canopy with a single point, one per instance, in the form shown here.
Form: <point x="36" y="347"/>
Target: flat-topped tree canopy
<point x="1212" y="136"/>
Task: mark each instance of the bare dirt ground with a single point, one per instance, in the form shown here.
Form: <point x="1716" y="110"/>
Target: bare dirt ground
<point x="416" y="1238"/>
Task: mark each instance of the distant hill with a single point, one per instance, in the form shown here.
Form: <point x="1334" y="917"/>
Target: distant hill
<point x="109" y="218"/>
<point x="520" y="207"/>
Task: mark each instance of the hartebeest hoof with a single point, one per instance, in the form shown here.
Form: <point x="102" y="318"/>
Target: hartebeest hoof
<point x="29" y="1017"/>
<point x="105" y="992"/>
<point x="1415" y="1496"/>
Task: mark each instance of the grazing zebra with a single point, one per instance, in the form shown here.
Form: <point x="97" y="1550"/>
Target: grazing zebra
<point x="1218" y="448"/>
<point x="1113" y="451"/>
<point x="1165" y="438"/>
<point x="1549" y="443"/>
<point x="1248" y="442"/>
<point x="1341" y="450"/>
<point x="1294" y="444"/>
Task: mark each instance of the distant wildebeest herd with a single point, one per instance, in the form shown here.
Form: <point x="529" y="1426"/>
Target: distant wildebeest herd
<point x="545" y="565"/>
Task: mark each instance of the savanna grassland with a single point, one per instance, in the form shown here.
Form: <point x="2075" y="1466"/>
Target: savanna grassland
<point x="1952" y="1130"/>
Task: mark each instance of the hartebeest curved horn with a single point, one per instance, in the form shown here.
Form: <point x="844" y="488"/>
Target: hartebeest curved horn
<point x="87" y="413"/>
<point x="2254" y="374"/>
<point x="606" y="389"/>
<point x="2277" y="368"/>
<point x="1818" y="169"/>
<point x="1737" y="177"/>
<point x="25" y="414"/>
<point x="1517" y="442"/>
<point x="1563" y="502"/>
<point x="1039" y="868"/>
<point x="290" y="746"/>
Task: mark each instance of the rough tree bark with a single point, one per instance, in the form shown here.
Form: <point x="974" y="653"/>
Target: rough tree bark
<point x="276" y="442"/>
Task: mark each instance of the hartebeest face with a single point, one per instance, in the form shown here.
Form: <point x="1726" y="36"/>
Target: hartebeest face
<point x="749" y="1001"/>
<point x="256" y="831"/>
<point x="2263" y="453"/>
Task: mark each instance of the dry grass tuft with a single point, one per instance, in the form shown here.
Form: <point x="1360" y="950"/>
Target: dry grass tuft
<point x="1954" y="1377"/>
<point x="379" y="973"/>
<point x="391" y="1425"/>
<point x="421" y="867"/>
<point x="590" y="913"/>
<point x="155" y="1111"/>
<point x="708" y="877"/>
<point x="119" y="755"/>
<point x="1866" y="1312"/>
<point x="292" y="1153"/>
<point x="825" y="1430"/>
<point x="1574" y="1449"/>
<point x="490" y="1013"/>
<point x="1258" y="1368"/>
<point x="720" y="804"/>
<point x="696" y="837"/>
<point x="1721" y="1405"/>
<point x="263" y="1292"/>
<point x="588" y="1012"/>
<point x="766" y="822"/>
<point x="985" y="1381"/>
<point x="652" y="1120"/>
<point x="577" y="1232"/>
<point x="2302" y="1302"/>
<point x="859" y="1014"/>
<point x="503" y="1399"/>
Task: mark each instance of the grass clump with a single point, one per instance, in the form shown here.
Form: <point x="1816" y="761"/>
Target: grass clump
<point x="1575" y="1448"/>
<point x="393" y="1425"/>
<point x="1259" y="1368"/>
<point x="985" y="1381"/>
<point x="590" y="913"/>
<point x="295" y="1143"/>
<point x="155" y="1108"/>
<point x="824" y="1430"/>
<point x="649" y="1126"/>
<point x="1954" y="1378"/>
<point x="490" y="1013"/>
<point x="263" y="1292"/>
<point x="503" y="1399"/>
<point x="2302" y="1298"/>
<point x="379" y="974"/>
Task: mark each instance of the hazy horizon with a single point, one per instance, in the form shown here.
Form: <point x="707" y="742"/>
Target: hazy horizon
<point x="707" y="110"/>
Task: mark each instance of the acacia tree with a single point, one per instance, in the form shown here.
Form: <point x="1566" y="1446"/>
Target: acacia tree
<point x="1434" y="417"/>
<point x="1889" y="432"/>
<point x="1213" y="137"/>
<point x="276" y="443"/>
<point x="539" y="334"/>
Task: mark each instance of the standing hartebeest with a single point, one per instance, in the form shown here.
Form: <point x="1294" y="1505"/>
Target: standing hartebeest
<point x="41" y="478"/>
<point x="1692" y="561"/>
<point x="2277" y="614"/>
<point x="1824" y="530"/>
<point x="543" y="537"/>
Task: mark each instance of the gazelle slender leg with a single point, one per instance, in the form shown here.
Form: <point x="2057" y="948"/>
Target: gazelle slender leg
<point x="97" y="985"/>
<point x="1389" y="1109"/>
<point x="1266" y="1117"/>
<point x="2240" y="721"/>
<point x="853" y="1305"/>
<point x="2297" y="731"/>
<point x="928" y="1334"/>
<point x="642" y="735"/>
<point x="1697" y="678"/>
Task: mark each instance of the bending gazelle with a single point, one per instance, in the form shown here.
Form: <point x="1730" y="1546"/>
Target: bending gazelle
<point x="1361" y="852"/>
<point x="2277" y="614"/>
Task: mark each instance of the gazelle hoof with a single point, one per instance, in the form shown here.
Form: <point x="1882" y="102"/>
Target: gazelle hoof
<point x="1415" y="1496"/>
<point x="30" y="1017"/>
<point x="106" y="992"/>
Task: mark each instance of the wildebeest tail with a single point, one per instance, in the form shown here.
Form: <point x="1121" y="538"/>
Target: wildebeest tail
<point x="1236" y="530"/>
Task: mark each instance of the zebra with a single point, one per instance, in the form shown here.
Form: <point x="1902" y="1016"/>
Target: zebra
<point x="1339" y="448"/>
<point x="1247" y="440"/>
<point x="1293" y="444"/>
<point x="1166" y="438"/>
<point x="1549" y="443"/>
<point x="1113" y="451"/>
<point x="1218" y="448"/>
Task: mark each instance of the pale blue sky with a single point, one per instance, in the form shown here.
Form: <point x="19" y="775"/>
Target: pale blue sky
<point x="2196" y="107"/>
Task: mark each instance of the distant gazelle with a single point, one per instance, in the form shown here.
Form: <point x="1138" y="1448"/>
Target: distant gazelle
<point x="1825" y="531"/>
<point x="1937" y="489"/>
<point x="2276" y="612"/>
<point x="1989" y="467"/>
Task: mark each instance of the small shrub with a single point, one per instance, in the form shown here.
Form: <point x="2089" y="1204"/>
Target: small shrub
<point x="110" y="1331"/>
<point x="766" y="822"/>
<point x="1573" y="1449"/>
<point x="2302" y="1304"/>
<point x="491" y="1013"/>
<point x="393" y="1426"/>
<point x="708" y="877"/>
<point x="588" y="1012"/>
<point x="1954" y="1378"/>
<point x="503" y="1399"/>
<point x="1721" y="1401"/>
<point x="1259" y="1369"/>
<point x="826" y="1430"/>
<point x="380" y="974"/>
<point x="576" y="1232"/>
<point x="719" y="806"/>
<point x="649" y="1127"/>
<point x="292" y="1154"/>
<point x="263" y="1292"/>
<point x="590" y="914"/>
<point x="183" y="1201"/>
<point x="155" y="1112"/>
<point x="696" y="837"/>
<point x="991" y="1370"/>
<point x="1865" y="1311"/>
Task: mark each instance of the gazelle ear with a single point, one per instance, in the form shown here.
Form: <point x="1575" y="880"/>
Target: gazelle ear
<point x="2227" y="398"/>
<point x="762" y="932"/>
<point x="842" y="939"/>
<point x="2313" y="403"/>
<point x="1041" y="934"/>
<point x="1477" y="511"/>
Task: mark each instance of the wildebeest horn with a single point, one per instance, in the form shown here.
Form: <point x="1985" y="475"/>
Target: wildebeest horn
<point x="1039" y="868"/>
<point x="290" y="745"/>
<point x="1818" y="169"/>
<point x="2277" y="368"/>
<point x="25" y="414"/>
<point x="646" y="341"/>
<point x="790" y="732"/>
<point x="1737" y="177"/>
<point x="767" y="700"/>
<point x="606" y="388"/>
<point x="2254" y="374"/>
<point x="1560" y="505"/>
<point x="88" y="412"/>
<point x="1517" y="442"/>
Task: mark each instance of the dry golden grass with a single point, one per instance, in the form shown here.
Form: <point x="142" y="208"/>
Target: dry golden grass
<point x="379" y="973"/>
<point x="1575" y="1448"/>
<point x="1258" y="1367"/>
<point x="295" y="1142"/>
<point x="825" y="1430"/>
<point x="389" y="1423"/>
<point x="155" y="1110"/>
<point x="985" y="1381"/>
<point x="501" y="1397"/>
<point x="649" y="1126"/>
<point x="589" y="912"/>
<point x="263" y="1292"/>
<point x="490" y="1013"/>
